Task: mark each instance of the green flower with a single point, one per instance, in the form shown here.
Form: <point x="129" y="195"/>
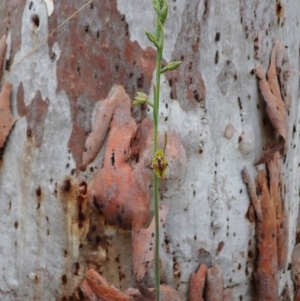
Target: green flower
<point x="160" y="164"/>
<point x="140" y="99"/>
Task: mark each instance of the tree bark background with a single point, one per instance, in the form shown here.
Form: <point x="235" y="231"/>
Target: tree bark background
<point x="47" y="240"/>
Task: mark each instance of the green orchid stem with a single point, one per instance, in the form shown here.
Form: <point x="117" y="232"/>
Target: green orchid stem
<point x="159" y="32"/>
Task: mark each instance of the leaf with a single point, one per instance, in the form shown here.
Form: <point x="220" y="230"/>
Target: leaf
<point x="6" y="119"/>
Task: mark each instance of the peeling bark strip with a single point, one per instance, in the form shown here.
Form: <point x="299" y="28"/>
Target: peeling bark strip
<point x="249" y="181"/>
<point x="6" y="119"/>
<point x="143" y="246"/>
<point x="95" y="60"/>
<point x="284" y="71"/>
<point x="120" y="193"/>
<point x="2" y="53"/>
<point x="275" y="107"/>
<point x="197" y="284"/>
<point x="281" y="227"/>
<point x="214" y="284"/>
<point x="95" y="287"/>
<point x="265" y="275"/>
<point x="103" y="290"/>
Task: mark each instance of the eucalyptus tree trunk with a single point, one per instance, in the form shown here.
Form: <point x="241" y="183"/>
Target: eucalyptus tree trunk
<point x="215" y="103"/>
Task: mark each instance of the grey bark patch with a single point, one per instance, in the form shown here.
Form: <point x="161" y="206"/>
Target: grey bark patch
<point x="187" y="85"/>
<point x="224" y="78"/>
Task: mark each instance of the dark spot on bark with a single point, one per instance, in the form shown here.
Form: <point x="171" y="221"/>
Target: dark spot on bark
<point x="196" y="95"/>
<point x="35" y="21"/>
<point x="28" y="132"/>
<point x="205" y="8"/>
<point x="119" y="220"/>
<point x="53" y="56"/>
<point x="16" y="224"/>
<point x="75" y="268"/>
<point x="279" y="8"/>
<point x="126" y="30"/>
<point x="113" y="159"/>
<point x="64" y="279"/>
<point x="38" y="191"/>
<point x="140" y="81"/>
<point x="66" y="185"/>
<point x="217" y="57"/>
<point x="217" y="38"/>
<point x="220" y="247"/>
<point x="240" y="103"/>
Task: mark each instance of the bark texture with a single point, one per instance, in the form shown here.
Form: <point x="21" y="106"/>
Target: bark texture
<point x="233" y="103"/>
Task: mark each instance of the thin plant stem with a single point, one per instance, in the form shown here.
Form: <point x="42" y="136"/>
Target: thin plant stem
<point x="159" y="32"/>
<point x="159" y="163"/>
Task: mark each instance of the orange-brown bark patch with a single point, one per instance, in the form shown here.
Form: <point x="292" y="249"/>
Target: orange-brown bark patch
<point x="266" y="273"/>
<point x="103" y="290"/>
<point x="197" y="284"/>
<point x="214" y="284"/>
<point x="249" y="181"/>
<point x="35" y="114"/>
<point x="271" y="93"/>
<point x="275" y="194"/>
<point x="143" y="241"/>
<point x="6" y="119"/>
<point x="116" y="189"/>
